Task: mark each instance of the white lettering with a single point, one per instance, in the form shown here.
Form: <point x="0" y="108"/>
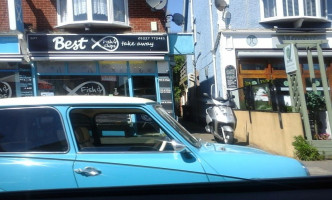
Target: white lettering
<point x="60" y="43"/>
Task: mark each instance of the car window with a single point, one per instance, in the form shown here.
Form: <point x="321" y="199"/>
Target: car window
<point x="31" y="130"/>
<point x="117" y="130"/>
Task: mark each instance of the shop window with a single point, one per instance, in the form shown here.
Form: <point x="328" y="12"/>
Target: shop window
<point x="7" y="85"/>
<point x="145" y="87"/>
<point x="316" y="66"/>
<point x="83" y="85"/>
<point x="51" y="67"/>
<point x="142" y="67"/>
<point x="113" y="67"/>
<point x="82" y="67"/>
<point x="278" y="66"/>
<point x="72" y="13"/>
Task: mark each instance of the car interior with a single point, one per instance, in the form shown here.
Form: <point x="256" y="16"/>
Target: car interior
<point x="117" y="130"/>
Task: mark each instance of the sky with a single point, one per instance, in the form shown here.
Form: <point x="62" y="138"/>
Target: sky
<point x="175" y="6"/>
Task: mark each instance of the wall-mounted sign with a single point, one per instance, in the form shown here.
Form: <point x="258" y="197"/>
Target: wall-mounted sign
<point x="252" y="40"/>
<point x="25" y="78"/>
<point x="86" y="88"/>
<point x="5" y="90"/>
<point x="289" y="58"/>
<point x="87" y="43"/>
<point x="231" y="79"/>
<point x="166" y="93"/>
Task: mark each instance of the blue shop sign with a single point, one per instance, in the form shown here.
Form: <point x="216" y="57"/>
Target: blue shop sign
<point x="9" y="45"/>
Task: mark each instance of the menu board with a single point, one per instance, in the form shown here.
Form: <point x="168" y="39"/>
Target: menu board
<point x="231" y="79"/>
<point x="25" y="78"/>
<point x="166" y="93"/>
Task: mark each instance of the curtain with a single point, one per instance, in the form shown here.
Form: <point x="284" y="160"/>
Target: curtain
<point x="79" y="7"/>
<point x="99" y="7"/>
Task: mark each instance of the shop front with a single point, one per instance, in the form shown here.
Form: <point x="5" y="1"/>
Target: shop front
<point x="13" y="73"/>
<point x="109" y="65"/>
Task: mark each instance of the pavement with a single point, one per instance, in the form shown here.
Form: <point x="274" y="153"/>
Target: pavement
<point x="316" y="168"/>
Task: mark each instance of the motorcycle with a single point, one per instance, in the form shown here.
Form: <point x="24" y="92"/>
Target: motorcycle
<point x="220" y="118"/>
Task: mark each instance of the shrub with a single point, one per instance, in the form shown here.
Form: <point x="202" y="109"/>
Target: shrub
<point x="304" y="151"/>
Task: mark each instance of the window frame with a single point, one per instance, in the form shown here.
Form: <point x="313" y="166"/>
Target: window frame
<point x="42" y="151"/>
<point x="117" y="110"/>
<point x="70" y="23"/>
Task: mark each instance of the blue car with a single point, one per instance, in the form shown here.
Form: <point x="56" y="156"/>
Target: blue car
<point x="98" y="141"/>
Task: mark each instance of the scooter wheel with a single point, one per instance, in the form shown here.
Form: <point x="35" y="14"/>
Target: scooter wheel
<point x="229" y="137"/>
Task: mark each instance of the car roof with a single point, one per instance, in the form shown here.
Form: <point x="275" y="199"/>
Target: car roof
<point x="72" y="100"/>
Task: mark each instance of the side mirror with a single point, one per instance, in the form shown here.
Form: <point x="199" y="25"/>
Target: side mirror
<point x="206" y="95"/>
<point x="178" y="147"/>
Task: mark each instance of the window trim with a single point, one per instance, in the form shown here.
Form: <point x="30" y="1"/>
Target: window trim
<point x="70" y="23"/>
<point x="118" y="110"/>
<point x="42" y="152"/>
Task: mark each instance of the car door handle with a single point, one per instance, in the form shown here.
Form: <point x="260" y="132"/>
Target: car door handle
<point x="88" y="171"/>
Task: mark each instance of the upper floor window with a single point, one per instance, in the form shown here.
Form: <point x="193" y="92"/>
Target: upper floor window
<point x="292" y="9"/>
<point x="270" y="9"/>
<point x="73" y="13"/>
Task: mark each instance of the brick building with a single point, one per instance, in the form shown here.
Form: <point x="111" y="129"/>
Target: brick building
<point x="87" y="47"/>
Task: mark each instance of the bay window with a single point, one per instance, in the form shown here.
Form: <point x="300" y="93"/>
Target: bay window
<point x="76" y="13"/>
<point x="283" y="10"/>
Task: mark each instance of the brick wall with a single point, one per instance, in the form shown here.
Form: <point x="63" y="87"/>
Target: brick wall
<point x="42" y="16"/>
<point x="4" y="22"/>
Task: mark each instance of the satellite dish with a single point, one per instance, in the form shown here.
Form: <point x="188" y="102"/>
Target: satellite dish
<point x="178" y="19"/>
<point x="220" y="4"/>
<point x="157" y="4"/>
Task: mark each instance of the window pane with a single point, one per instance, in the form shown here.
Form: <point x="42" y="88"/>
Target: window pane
<point x="100" y="11"/>
<point x="82" y="67"/>
<point x="253" y="66"/>
<point x="51" y="67"/>
<point x="63" y="10"/>
<point x="124" y="130"/>
<point x="291" y="7"/>
<point x="144" y="87"/>
<point x="119" y="10"/>
<point x="309" y="7"/>
<point x="113" y="67"/>
<point x="329" y="11"/>
<point x="80" y="10"/>
<point x="31" y="130"/>
<point x="270" y="8"/>
<point x="83" y="85"/>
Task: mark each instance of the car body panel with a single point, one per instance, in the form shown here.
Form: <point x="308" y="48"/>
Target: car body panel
<point x="30" y="172"/>
<point x="120" y="169"/>
<point x="232" y="162"/>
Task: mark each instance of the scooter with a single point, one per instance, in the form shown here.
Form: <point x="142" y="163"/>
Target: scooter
<point x="220" y="118"/>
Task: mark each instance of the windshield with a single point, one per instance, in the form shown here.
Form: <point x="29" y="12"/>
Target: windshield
<point x="178" y="127"/>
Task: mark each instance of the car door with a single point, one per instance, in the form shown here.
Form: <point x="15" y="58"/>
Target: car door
<point x="127" y="147"/>
<point x="34" y="151"/>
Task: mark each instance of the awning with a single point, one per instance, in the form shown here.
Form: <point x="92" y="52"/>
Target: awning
<point x="94" y="57"/>
<point x="11" y="58"/>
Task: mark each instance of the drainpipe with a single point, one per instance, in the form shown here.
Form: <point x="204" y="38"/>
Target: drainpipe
<point x="213" y="52"/>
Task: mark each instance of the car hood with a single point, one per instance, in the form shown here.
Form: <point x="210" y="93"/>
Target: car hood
<point x="248" y="163"/>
